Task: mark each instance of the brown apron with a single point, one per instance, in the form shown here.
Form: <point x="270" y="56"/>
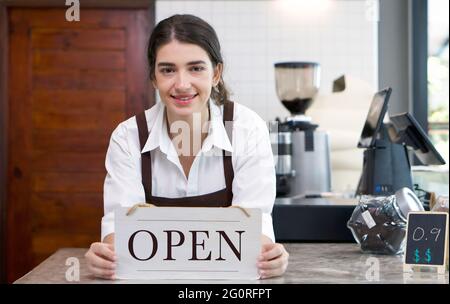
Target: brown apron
<point x="221" y="198"/>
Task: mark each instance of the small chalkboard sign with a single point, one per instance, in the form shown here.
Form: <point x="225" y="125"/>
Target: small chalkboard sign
<point x="426" y="240"/>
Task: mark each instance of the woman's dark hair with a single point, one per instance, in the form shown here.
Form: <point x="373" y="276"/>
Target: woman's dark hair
<point x="188" y="29"/>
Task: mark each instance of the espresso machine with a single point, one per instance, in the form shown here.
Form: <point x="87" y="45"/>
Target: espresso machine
<point x="301" y="151"/>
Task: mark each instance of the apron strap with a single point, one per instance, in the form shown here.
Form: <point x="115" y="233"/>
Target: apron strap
<point x="146" y="163"/>
<point x="228" y="113"/>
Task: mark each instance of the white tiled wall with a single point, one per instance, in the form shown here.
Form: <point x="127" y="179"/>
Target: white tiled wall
<point x="339" y="34"/>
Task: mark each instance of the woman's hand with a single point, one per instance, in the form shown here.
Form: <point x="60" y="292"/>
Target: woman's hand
<point x="101" y="258"/>
<point x="273" y="260"/>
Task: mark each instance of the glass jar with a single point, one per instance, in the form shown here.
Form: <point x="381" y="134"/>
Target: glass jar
<point x="378" y="224"/>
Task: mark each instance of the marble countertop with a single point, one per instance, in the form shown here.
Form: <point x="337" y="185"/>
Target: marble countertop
<point x="309" y="263"/>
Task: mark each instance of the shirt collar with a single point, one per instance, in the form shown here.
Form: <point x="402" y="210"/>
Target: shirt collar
<point x="158" y="136"/>
<point x="217" y="134"/>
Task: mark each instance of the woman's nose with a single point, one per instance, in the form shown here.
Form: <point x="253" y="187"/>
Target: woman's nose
<point x="182" y="82"/>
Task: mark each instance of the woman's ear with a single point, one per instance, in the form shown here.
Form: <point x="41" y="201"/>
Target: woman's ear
<point x="154" y="84"/>
<point x="217" y="74"/>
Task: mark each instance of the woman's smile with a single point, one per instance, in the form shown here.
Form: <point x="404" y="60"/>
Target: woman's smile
<point x="183" y="99"/>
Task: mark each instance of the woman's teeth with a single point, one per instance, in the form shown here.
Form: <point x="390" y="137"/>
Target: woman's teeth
<point x="184" y="99"/>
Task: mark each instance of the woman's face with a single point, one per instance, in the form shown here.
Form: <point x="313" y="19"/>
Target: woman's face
<point x="184" y="76"/>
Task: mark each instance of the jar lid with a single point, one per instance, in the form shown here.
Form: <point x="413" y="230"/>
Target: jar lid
<point x="407" y="201"/>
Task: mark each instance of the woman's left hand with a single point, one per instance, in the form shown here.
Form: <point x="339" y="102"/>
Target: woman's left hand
<point x="273" y="260"/>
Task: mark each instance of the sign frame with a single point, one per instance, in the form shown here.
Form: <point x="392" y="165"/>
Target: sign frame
<point x="169" y="237"/>
<point x="408" y="267"/>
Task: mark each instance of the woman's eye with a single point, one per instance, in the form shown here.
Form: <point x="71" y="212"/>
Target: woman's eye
<point x="197" y="68"/>
<point x="166" y="70"/>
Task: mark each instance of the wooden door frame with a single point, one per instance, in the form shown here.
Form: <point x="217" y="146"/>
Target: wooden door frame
<point x="4" y="108"/>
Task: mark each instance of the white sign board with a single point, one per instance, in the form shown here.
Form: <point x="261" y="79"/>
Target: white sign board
<point x="187" y="243"/>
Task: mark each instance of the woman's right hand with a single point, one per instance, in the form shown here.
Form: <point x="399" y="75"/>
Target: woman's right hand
<point x="101" y="260"/>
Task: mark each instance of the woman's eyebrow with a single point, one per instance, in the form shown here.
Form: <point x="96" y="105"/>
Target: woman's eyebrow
<point x="189" y="63"/>
<point x="196" y="62"/>
<point x="166" y="64"/>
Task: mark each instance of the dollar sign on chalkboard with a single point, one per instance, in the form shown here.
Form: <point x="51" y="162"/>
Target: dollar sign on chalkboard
<point x="416" y="256"/>
<point x="428" y="255"/>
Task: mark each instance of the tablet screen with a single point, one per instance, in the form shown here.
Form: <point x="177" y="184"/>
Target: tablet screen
<point x="414" y="136"/>
<point x="374" y="119"/>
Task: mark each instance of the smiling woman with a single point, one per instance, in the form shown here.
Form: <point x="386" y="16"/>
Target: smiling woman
<point x="146" y="161"/>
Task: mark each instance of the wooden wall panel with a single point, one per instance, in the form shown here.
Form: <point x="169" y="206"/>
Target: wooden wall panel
<point x="47" y="161"/>
<point x="78" y="79"/>
<point x="58" y="211"/>
<point x="88" y="121"/>
<point x="78" y="141"/>
<point x="79" y="101"/>
<point x="56" y="18"/>
<point x="78" y="59"/>
<point x="18" y="230"/>
<point x="71" y="182"/>
<point x="72" y="83"/>
<point x="107" y="39"/>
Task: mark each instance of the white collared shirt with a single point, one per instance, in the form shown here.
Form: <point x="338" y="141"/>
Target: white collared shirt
<point x="254" y="172"/>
